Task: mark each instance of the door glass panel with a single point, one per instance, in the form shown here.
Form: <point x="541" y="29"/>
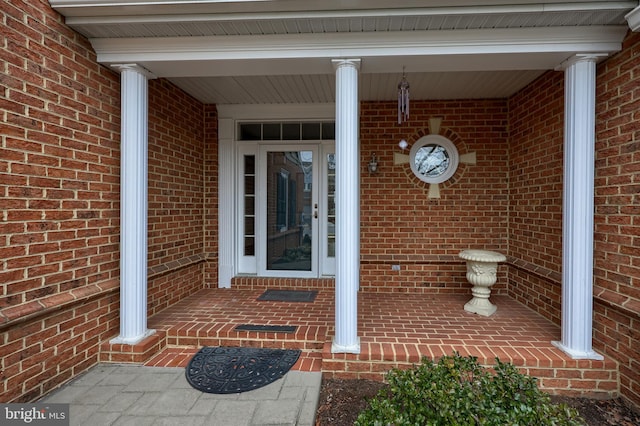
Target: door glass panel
<point x="331" y="206"/>
<point x="289" y="210"/>
<point x="249" y="205"/>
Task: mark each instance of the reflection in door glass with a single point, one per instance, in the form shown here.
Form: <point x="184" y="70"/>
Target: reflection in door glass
<point x="249" y="205"/>
<point x="331" y="205"/>
<point x="289" y="210"/>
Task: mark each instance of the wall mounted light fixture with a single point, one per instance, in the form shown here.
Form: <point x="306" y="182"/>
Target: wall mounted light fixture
<point x="373" y="164"/>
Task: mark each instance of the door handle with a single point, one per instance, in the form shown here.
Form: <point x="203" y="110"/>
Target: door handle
<point x="315" y="210"/>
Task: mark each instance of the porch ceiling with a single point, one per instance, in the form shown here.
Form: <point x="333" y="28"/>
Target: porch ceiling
<point x="275" y="51"/>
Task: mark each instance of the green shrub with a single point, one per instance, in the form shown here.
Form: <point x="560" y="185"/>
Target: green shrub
<point x="458" y="391"/>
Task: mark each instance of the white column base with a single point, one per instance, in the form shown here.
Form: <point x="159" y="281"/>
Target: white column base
<point x="342" y="349"/>
<point x="574" y="354"/>
<point x="225" y="274"/>
<point x="132" y="340"/>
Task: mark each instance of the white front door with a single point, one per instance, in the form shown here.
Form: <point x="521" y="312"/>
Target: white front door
<point x="286" y="196"/>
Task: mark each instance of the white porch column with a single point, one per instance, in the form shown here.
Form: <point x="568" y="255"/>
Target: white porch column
<point x="577" y="234"/>
<point x="347" y="207"/>
<point x="133" y="205"/>
<point x="226" y="198"/>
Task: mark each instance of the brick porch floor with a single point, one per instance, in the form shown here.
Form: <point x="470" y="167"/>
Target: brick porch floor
<point x="395" y="329"/>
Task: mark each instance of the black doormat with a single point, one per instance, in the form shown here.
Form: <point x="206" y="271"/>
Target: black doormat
<point x="223" y="370"/>
<point x="289" y="295"/>
<point x="268" y="328"/>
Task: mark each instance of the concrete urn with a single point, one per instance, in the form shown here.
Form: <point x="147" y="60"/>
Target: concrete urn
<point x="482" y="266"/>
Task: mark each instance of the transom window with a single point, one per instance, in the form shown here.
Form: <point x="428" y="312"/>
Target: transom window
<point x="287" y="131"/>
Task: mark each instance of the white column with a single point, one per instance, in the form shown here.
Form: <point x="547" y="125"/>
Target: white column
<point x="347" y="207"/>
<point x="226" y="202"/>
<point x="577" y="234"/>
<point x="133" y="205"/>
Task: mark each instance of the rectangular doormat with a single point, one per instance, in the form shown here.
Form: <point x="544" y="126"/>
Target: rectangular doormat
<point x="267" y="328"/>
<point x="288" y="295"/>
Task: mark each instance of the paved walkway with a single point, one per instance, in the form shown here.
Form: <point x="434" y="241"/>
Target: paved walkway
<point x="118" y="394"/>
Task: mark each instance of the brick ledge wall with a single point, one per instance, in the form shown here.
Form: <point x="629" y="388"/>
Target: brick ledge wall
<point x="165" y="268"/>
<point x="14" y="315"/>
<point x="534" y="269"/>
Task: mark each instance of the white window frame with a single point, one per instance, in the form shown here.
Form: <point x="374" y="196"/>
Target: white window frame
<point x="228" y="147"/>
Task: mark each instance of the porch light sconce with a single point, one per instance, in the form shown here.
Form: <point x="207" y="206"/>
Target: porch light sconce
<point x="373" y="164"/>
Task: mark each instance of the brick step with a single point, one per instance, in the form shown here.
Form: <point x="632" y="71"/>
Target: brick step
<point x="179" y="356"/>
<point x="138" y="353"/>
<point x="310" y="338"/>
<point x="262" y="283"/>
<point x="395" y="330"/>
<point x="556" y="373"/>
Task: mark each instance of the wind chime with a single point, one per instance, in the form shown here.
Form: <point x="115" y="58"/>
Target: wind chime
<point x="403" y="99"/>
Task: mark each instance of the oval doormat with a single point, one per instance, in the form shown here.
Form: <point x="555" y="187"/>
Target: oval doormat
<point x="224" y="370"/>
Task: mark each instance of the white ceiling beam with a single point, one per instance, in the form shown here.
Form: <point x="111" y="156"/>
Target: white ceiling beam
<point x="152" y="17"/>
<point x="332" y="8"/>
<point x="371" y="45"/>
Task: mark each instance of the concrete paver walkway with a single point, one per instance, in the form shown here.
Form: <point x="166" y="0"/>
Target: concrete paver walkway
<point x="119" y="394"/>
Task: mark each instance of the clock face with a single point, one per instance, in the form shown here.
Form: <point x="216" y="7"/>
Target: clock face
<point x="433" y="158"/>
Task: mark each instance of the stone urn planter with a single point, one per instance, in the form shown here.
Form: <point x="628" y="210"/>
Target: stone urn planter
<point x="482" y="266"/>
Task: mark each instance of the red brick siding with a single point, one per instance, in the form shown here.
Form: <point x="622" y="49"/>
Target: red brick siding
<point x="536" y="127"/>
<point x="59" y="186"/>
<point x="400" y="225"/>
<point x="166" y="289"/>
<point x="176" y="195"/>
<point x="176" y="166"/>
<point x="617" y="219"/>
<point x="59" y="160"/>
<point x="40" y="354"/>
<point x="60" y="192"/>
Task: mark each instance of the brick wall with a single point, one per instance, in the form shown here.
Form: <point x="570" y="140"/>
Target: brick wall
<point x="617" y="218"/>
<point x="535" y="193"/>
<point x="536" y="127"/>
<point x="59" y="191"/>
<point x="401" y="226"/>
<point x="176" y="195"/>
<point x="176" y="165"/>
